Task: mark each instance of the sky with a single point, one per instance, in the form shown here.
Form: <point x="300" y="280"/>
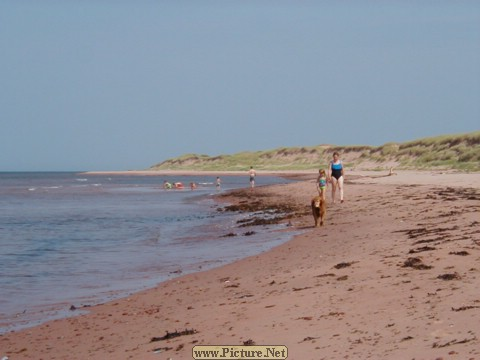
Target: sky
<point x="123" y="85"/>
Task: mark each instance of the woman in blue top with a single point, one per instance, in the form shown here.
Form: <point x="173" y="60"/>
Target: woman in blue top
<point x="335" y="175"/>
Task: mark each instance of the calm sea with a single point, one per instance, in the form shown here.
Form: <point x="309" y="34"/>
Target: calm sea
<point x="82" y="239"/>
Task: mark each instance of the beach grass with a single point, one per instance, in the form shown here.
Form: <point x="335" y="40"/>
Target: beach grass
<point x="453" y="152"/>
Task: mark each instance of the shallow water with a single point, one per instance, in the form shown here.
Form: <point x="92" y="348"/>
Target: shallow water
<point x="76" y="239"/>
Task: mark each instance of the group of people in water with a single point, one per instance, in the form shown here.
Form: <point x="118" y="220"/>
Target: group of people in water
<point x="218" y="182"/>
<point x="178" y="185"/>
<point x="175" y="185"/>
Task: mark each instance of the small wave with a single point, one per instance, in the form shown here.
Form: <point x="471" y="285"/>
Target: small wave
<point x="81" y="180"/>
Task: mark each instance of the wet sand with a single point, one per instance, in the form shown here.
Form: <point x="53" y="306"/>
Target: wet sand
<point x="394" y="274"/>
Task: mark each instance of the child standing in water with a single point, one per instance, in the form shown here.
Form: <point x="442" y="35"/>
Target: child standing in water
<point x="322" y="183"/>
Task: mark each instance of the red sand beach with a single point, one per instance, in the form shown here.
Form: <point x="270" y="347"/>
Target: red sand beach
<point x="394" y="274"/>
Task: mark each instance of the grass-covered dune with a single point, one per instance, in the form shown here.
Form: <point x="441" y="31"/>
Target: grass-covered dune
<point x="459" y="152"/>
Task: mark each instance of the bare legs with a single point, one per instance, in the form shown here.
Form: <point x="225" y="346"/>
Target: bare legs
<point x="322" y="193"/>
<point x="338" y="183"/>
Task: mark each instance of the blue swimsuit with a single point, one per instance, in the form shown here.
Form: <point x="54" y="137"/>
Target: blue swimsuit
<point x="337" y="170"/>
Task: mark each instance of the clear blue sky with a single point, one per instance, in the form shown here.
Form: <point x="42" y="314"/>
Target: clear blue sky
<point x="120" y="85"/>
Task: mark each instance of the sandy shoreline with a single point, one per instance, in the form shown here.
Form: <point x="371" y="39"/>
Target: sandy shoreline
<point x="393" y="275"/>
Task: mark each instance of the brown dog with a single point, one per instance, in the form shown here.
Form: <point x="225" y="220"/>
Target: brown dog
<point x="319" y="210"/>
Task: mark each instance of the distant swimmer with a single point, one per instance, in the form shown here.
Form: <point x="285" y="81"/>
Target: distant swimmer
<point x="252" y="175"/>
<point x="179" y="185"/>
<point x="167" y="185"/>
<point x="193" y="186"/>
<point x="218" y="183"/>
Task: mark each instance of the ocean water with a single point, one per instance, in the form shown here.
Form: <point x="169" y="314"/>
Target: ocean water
<point x="82" y="239"/>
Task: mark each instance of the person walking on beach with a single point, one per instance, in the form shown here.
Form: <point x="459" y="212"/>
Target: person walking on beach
<point x="336" y="176"/>
<point x="322" y="183"/>
<point x="252" y="175"/>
